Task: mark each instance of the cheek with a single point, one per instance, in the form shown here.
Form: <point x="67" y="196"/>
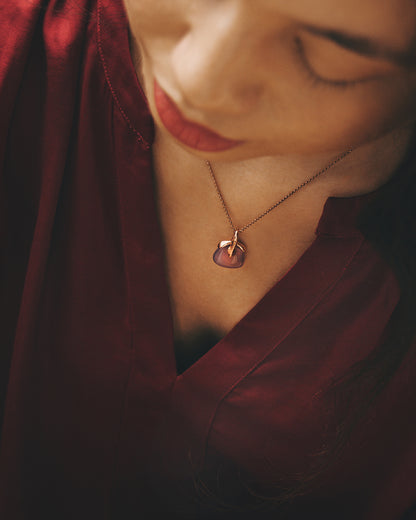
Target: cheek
<point x="333" y="120"/>
<point x="380" y="113"/>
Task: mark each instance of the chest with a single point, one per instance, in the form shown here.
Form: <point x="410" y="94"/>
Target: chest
<point x="206" y="298"/>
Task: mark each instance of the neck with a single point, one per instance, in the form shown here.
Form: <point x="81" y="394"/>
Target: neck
<point x="255" y="183"/>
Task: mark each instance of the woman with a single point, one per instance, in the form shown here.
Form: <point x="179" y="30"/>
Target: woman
<point x="149" y="368"/>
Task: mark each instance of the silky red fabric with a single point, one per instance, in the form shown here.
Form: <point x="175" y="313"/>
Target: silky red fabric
<point x="97" y="423"/>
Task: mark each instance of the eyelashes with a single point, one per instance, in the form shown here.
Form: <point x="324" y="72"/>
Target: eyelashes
<point x="315" y="78"/>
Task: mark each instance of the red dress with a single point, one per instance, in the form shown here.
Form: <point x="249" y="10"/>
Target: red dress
<point x="97" y="422"/>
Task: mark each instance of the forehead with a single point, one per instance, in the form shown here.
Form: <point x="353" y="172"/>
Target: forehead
<point x="395" y="19"/>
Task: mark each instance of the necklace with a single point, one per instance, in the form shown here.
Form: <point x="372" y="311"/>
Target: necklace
<point x="232" y="253"/>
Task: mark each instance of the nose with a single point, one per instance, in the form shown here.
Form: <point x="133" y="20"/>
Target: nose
<point x="214" y="66"/>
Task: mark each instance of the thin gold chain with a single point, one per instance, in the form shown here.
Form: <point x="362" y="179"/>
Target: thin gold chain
<point x="295" y="190"/>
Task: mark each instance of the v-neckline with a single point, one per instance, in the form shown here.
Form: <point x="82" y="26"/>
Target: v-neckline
<point x="198" y="392"/>
<point x="308" y="277"/>
<point x="283" y="306"/>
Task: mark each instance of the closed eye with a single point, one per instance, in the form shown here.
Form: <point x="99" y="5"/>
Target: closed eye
<point x="367" y="47"/>
<point x="318" y="79"/>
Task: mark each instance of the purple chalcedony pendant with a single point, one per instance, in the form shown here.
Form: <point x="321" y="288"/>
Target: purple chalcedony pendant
<point x="230" y="253"/>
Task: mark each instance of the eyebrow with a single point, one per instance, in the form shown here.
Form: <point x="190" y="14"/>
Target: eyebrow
<point x="367" y="47"/>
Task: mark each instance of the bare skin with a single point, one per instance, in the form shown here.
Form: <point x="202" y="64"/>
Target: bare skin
<point x="233" y="69"/>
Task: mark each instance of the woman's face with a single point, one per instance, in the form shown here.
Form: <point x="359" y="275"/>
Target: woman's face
<point x="278" y="76"/>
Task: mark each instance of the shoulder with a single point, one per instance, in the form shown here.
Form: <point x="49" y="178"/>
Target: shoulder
<point x="52" y="29"/>
<point x="19" y="21"/>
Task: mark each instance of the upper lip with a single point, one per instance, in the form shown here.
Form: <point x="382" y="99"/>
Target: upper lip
<point x="181" y="111"/>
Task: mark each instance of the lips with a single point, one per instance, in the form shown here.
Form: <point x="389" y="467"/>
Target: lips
<point x="191" y="134"/>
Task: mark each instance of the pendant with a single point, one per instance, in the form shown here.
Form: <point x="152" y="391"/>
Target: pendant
<point x="230" y="253"/>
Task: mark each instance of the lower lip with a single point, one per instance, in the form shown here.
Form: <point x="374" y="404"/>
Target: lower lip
<point x="191" y="134"/>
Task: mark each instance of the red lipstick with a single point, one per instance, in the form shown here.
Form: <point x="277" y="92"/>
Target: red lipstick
<point x="191" y="134"/>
